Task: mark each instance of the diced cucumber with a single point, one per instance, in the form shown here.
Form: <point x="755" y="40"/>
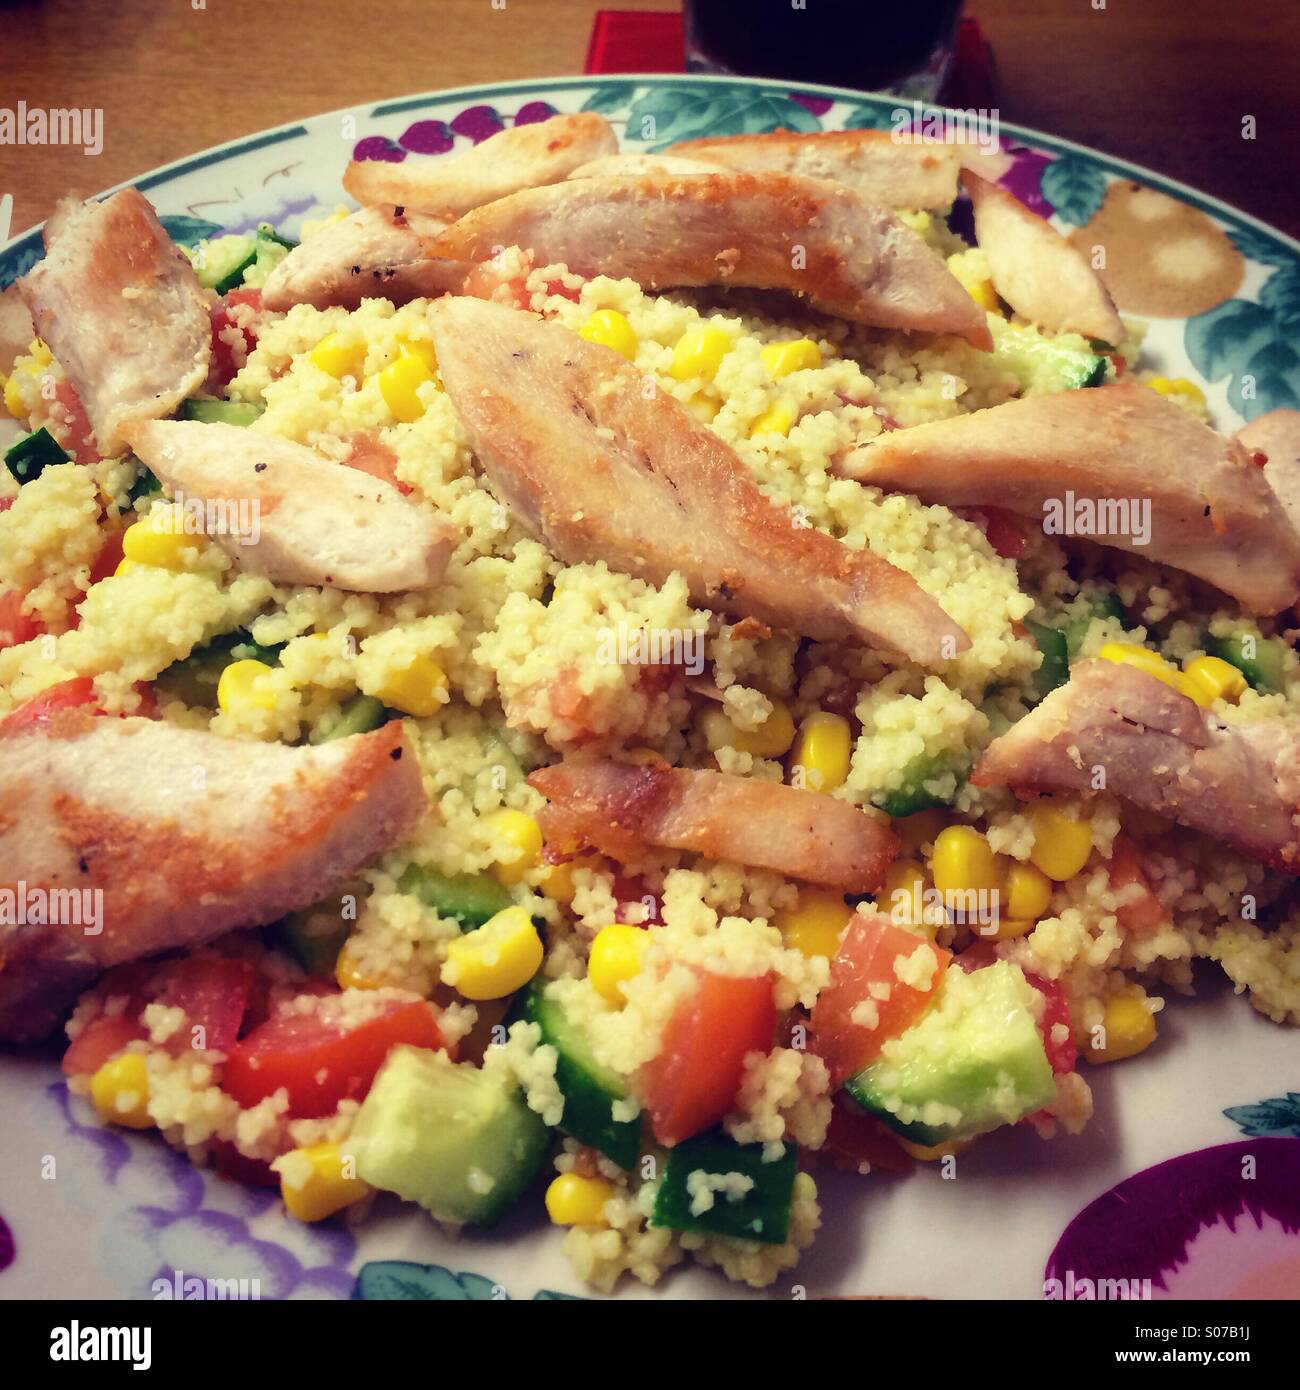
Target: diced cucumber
<point x="1262" y="660"/>
<point x="267" y="233"/>
<point x="26" y="458"/>
<point x="270" y="249"/>
<point x="1043" y="364"/>
<point x="220" y="262"/>
<point x="1076" y="626"/>
<point x="448" y="1136"/>
<point x="1054" y="669"/>
<point x="762" y="1213"/>
<point x="194" y="678"/>
<point x="359" y="715"/>
<point x="145" y="485"/>
<point x="214" y="412"/>
<point x="974" y="1062"/>
<point x="315" y="935"/>
<point x="468" y="898"/>
<point x="590" y="1090"/>
<point x="913" y="795"/>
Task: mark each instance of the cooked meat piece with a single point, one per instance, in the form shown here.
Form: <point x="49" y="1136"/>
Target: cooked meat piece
<point x="1121" y="465"/>
<point x="523" y="156"/>
<point x="122" y="310"/>
<point x="619" y="808"/>
<point x="1276" y="435"/>
<point x="16" y="328"/>
<point x="296" y="517"/>
<point x="155" y="837"/>
<point x="599" y="467"/>
<point x="632" y="166"/>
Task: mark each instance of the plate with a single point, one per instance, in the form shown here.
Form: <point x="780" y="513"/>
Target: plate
<point x="92" y="1213"/>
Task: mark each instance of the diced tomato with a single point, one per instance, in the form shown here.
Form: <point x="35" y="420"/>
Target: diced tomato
<point x="368" y="454"/>
<point x="693" y="1082"/>
<point x="633" y="892"/>
<point x="100" y="1039"/>
<point x="213" y="992"/>
<point x="74" y="432"/>
<point x="42" y="708"/>
<point x="1120" y="365"/>
<point x="488" y="281"/>
<point x="109" y="557"/>
<point x="863" y="974"/>
<point x="977" y="955"/>
<point x="6" y="503"/>
<point x="225" y="365"/>
<point x="251" y="1172"/>
<point x="1002" y="530"/>
<point x="563" y="290"/>
<point x="319" y="1062"/>
<point x="854" y="1137"/>
<point x="1061" y="1053"/>
<point x="1145" y="912"/>
<point x="16" y="626"/>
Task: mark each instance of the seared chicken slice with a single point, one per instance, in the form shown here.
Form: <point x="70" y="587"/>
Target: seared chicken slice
<point x="1040" y="274"/>
<point x="599" y="464"/>
<point x="1276" y="436"/>
<point x="761" y="231"/>
<point x="620" y="808"/>
<point x="293" y="516"/>
<point x="121" y="309"/>
<point x="1239" y="783"/>
<point x="1120" y="464"/>
<point x="632" y="166"/>
<point x="155" y="837"/>
<point x="524" y="156"/>
<point x="16" y="328"/>
<point x="376" y="253"/>
<point x="875" y="164"/>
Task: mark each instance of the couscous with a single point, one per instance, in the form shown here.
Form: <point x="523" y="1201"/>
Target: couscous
<point x="520" y="977"/>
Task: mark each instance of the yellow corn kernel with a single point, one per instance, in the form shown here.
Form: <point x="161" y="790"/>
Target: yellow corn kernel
<point x="931" y="1153"/>
<point x="422" y="348"/>
<point x="704" y="407"/>
<point x="963" y="862"/>
<point x="983" y="293"/>
<point x="399" y="384"/>
<point x="823" y="750"/>
<point x="350" y="975"/>
<point x="574" y="1200"/>
<point x="1128" y="1028"/>
<point x="1130" y="654"/>
<point x="558" y="883"/>
<point x="497" y="958"/>
<point x="414" y="688"/>
<point x="814" y="925"/>
<point x="776" y="419"/>
<point x="338" y="358"/>
<point x="699" y="353"/>
<point x="615" y="957"/>
<point x="158" y="540"/>
<point x="14" y="403"/>
<point x="1218" y="679"/>
<point x="119" y="1091"/>
<point x="1008" y="928"/>
<point x="772" y="738"/>
<point x="611" y="329"/>
<point x="920" y="829"/>
<point x="798" y="355"/>
<point x="1026" y="893"/>
<point x="318" y="1181"/>
<point x="1062" y="844"/>
<point x="243" y="686"/>
<point x="521" y="836"/>
<point x="902" y="894"/>
<point x="125" y="566"/>
<point x="1177" y="386"/>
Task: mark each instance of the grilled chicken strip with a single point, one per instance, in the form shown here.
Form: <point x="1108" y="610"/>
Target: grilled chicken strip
<point x="183" y="834"/>
<point x="376" y="253"/>
<point x="524" y="156"/>
<point x="1276" y="436"/>
<point x="1097" y="461"/>
<point x="16" y="328"/>
<point x="1035" y="269"/>
<point x="761" y="231"/>
<point x="632" y="166"/>
<point x="619" y="808"/>
<point x="296" y="517"/>
<point x="121" y="309"/>
<point x="875" y="164"/>
<point x="1239" y="783"/>
<point x="599" y="468"/>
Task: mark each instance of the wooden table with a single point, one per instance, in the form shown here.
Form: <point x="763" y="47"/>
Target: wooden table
<point x="1167" y="83"/>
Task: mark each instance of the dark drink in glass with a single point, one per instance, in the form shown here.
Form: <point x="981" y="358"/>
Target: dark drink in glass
<point x="900" y="46"/>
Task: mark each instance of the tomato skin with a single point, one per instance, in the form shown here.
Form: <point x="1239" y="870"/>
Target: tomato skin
<point x="100" y="1039"/>
<point x="1001" y="529"/>
<point x="213" y="992"/>
<point x="224" y="367"/>
<point x="42" y="708"/>
<point x="853" y="1137"/>
<point x="228" y="1162"/>
<point x="693" y="1082"/>
<point x="868" y="950"/>
<point x="368" y="455"/>
<point x="320" y="1063"/>
<point x="16" y="627"/>
<point x="109" y="557"/>
<point x="76" y="436"/>
<point x="1061" y="1055"/>
<point x="1146" y="912"/>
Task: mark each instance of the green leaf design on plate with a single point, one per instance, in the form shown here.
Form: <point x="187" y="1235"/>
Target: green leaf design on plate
<point x="869" y="118"/>
<point x="611" y="97"/>
<point x="1279" y="1116"/>
<point x="1250" y="343"/>
<point x="1225" y="336"/>
<point x="1281" y="296"/>
<point x="185" y="231"/>
<point x="1260" y="246"/>
<point x="19" y="259"/>
<point x="664" y="116"/>
<point x="1074" y="186"/>
<point x="403" y="1279"/>
<point x="550" y="1296"/>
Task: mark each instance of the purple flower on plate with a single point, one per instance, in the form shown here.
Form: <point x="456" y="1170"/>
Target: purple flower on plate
<point x="7" y="1246"/>
<point x="378" y="147"/>
<point x="427" y="137"/>
<point x="1024" y="178"/>
<point x="533" y="111"/>
<point x="819" y="106"/>
<point x="477" y="123"/>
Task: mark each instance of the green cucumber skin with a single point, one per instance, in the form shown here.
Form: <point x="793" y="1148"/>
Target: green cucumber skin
<point x="589" y="1097"/>
<point x="28" y="457"/>
<point x="762" y="1214"/>
<point x="360" y="715"/>
<point x="1264" y="670"/>
<point x="471" y="899"/>
<point x="1054" y="669"/>
<point x="212" y="412"/>
<point x="912" y="796"/>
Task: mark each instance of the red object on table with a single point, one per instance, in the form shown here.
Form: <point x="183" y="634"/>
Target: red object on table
<point x="652" y="41"/>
